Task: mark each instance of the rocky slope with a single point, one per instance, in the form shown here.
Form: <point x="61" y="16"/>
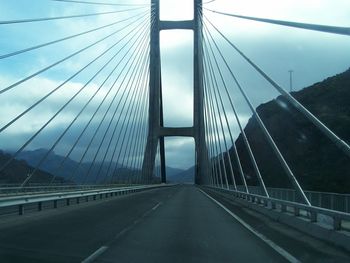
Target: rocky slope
<point x="316" y="162"/>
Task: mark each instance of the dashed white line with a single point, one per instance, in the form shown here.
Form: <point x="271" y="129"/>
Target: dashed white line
<point x="156" y="206"/>
<point x="96" y="254"/>
<point x="269" y="242"/>
<point x="102" y="249"/>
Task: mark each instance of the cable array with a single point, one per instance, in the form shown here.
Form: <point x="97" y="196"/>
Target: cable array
<point x="313" y="27"/>
<point x="225" y="159"/>
<point x="109" y="125"/>
<point x="97" y="3"/>
<point x="107" y="128"/>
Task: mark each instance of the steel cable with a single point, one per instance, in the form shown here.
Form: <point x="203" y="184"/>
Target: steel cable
<point x="321" y="126"/>
<point x="66" y="38"/>
<point x="272" y="143"/>
<point x="313" y="27"/>
<point x="30" y="20"/>
<point x="55" y="90"/>
<point x="98" y="108"/>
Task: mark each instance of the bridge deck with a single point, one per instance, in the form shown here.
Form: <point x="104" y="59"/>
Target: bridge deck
<point x="178" y="224"/>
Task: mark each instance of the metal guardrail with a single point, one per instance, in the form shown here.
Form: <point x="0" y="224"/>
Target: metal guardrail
<point x="7" y="190"/>
<point x="328" y="200"/>
<point x="39" y="199"/>
<point x="339" y="220"/>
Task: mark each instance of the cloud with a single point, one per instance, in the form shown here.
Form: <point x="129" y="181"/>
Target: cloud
<point x="21" y="130"/>
<point x="176" y="10"/>
<point x="313" y="56"/>
<point x="180" y="152"/>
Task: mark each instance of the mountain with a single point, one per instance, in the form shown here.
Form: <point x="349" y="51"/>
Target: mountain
<point x="172" y="172"/>
<point x="17" y="171"/>
<point x="176" y="175"/>
<point x="53" y="162"/>
<point x="185" y="176"/>
<point x="316" y="162"/>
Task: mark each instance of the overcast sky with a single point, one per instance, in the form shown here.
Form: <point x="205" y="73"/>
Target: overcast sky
<point x="312" y="56"/>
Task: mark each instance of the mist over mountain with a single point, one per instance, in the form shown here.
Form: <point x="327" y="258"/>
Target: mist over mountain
<point x="316" y="162"/>
<point x="18" y="170"/>
<point x="182" y="176"/>
<point x="53" y="162"/>
<point x="71" y="170"/>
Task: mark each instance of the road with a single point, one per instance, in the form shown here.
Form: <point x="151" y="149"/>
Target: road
<point x="176" y="224"/>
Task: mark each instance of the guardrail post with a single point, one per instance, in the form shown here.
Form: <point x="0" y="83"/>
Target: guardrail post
<point x="86" y="198"/>
<point x="40" y="206"/>
<point x="319" y="200"/>
<point x="68" y="201"/>
<point x="266" y="203"/>
<point x="273" y="205"/>
<point x="313" y="216"/>
<point x="21" y="210"/>
<point x="78" y="200"/>
<point x="94" y="197"/>
<point x="283" y="208"/>
<point x="55" y="204"/>
<point x="296" y="211"/>
<point x="336" y="223"/>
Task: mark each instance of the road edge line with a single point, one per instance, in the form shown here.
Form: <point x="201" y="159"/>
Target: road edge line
<point x="267" y="241"/>
<point x="95" y="255"/>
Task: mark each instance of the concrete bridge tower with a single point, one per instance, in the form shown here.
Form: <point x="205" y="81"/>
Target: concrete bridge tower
<point x="157" y="131"/>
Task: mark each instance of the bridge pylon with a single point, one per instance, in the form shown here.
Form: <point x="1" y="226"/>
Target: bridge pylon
<point x="156" y="129"/>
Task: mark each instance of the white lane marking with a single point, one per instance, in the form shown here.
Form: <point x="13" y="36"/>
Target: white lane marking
<point x="96" y="254"/>
<point x="156" y="206"/>
<point x="122" y="232"/>
<point x="269" y="242"/>
<point x="102" y="249"/>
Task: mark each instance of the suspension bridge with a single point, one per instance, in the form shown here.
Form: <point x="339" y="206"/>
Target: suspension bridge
<point x="96" y="98"/>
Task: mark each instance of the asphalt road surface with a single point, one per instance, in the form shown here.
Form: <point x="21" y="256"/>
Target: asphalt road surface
<point x="175" y="224"/>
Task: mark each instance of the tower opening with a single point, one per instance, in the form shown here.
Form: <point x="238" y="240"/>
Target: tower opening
<point x="176" y="49"/>
<point x="176" y="10"/>
<point x="180" y="159"/>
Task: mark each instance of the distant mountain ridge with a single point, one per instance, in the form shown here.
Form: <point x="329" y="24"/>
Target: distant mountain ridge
<point x="18" y="170"/>
<point x="54" y="160"/>
<point x="316" y="162"/>
<point x="183" y="176"/>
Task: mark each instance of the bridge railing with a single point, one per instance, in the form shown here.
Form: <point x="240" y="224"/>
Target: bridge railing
<point x="36" y="202"/>
<point x="325" y="224"/>
<point x="336" y="219"/>
<point x="9" y="190"/>
<point x="328" y="200"/>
